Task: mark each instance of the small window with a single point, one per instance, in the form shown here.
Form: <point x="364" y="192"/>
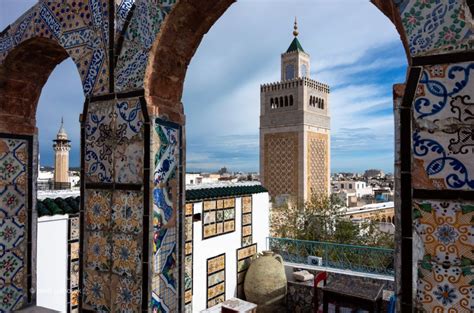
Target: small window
<point x="281" y="102"/>
<point x="286" y="101"/>
<point x="291" y="100"/>
<point x="350" y="186"/>
<point x="276" y="102"/>
<point x="342" y="186"/>
<point x="322" y="104"/>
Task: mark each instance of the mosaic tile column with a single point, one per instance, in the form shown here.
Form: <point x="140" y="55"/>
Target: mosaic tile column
<point x="16" y="222"/>
<point x="114" y="213"/>
<point x="166" y="270"/>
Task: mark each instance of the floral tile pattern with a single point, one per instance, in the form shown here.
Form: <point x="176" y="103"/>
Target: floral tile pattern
<point x="445" y="273"/>
<point x="97" y="291"/>
<point x="126" y="256"/>
<point x="442" y="137"/>
<point x="80" y="27"/>
<point x="434" y="26"/>
<point x="126" y="295"/>
<point x="127" y="211"/>
<point x="13" y="223"/>
<point x="98" y="210"/>
<point x="98" y="253"/>
<point x="144" y="26"/>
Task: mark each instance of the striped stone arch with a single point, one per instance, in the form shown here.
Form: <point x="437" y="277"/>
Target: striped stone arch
<point x="132" y="57"/>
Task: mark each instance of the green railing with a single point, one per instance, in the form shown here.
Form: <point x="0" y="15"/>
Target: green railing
<point x="339" y="256"/>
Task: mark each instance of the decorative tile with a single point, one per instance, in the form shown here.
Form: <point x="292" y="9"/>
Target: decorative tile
<point x="167" y="155"/>
<point x="129" y="162"/>
<point x="12" y="202"/>
<point x="74" y="229"/>
<point x="74" y="250"/>
<point x="131" y="66"/>
<point x="75" y="297"/>
<point x="127" y="211"/>
<point x="100" y="142"/>
<point x="10" y="265"/>
<point x="246" y="252"/>
<point x="168" y="271"/>
<point x="98" y="209"/>
<point x="162" y="207"/>
<point x="126" y="256"/>
<point x="216" y="278"/>
<point x="129" y="119"/>
<point x="74" y="275"/>
<point x="216" y="264"/>
<point x="247" y="219"/>
<point x="12" y="233"/>
<point x="11" y="297"/>
<point x="441" y="289"/>
<point x="98" y="251"/>
<point x="446" y="230"/>
<point x="433" y="26"/>
<point x="127" y="295"/>
<point x="97" y="290"/>
<point x="442" y="141"/>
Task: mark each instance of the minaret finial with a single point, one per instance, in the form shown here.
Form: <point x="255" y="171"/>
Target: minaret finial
<point x="295" y="31"/>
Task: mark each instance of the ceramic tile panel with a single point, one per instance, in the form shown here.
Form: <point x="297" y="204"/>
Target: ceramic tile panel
<point x="244" y="257"/>
<point x="215" y="279"/>
<point x="126" y="295"/>
<point x="98" y="209"/>
<point x="74" y="275"/>
<point x="74" y="250"/>
<point x="218" y="217"/>
<point x="98" y="251"/>
<point x="74" y="229"/>
<point x="99" y="142"/>
<point x="442" y="141"/>
<point x="131" y="67"/>
<point x="434" y="27"/>
<point x="97" y="291"/>
<point x="127" y="211"/>
<point x="126" y="255"/>
<point x="446" y="230"/>
<point x="14" y="156"/>
<point x="441" y="289"/>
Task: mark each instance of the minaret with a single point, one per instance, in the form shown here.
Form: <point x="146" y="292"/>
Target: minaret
<point x="295" y="129"/>
<point x="61" y="148"/>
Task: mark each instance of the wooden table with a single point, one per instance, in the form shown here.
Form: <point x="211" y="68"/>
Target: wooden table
<point x="353" y="294"/>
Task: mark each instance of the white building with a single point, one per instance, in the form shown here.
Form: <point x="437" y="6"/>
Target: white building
<point x="360" y="188"/>
<point x="226" y="224"/>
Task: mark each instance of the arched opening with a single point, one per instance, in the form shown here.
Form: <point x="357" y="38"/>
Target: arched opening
<point x="26" y="132"/>
<point x="291" y="100"/>
<point x="286" y="101"/>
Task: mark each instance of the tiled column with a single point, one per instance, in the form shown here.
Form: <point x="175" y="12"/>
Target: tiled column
<point x="17" y="222"/>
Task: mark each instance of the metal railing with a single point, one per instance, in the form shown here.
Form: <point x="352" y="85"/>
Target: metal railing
<point x="338" y="256"/>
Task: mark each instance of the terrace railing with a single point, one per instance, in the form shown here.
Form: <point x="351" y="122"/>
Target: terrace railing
<point x="338" y="256"/>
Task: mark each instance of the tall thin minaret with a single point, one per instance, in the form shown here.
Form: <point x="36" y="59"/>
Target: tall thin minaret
<point x="295" y="129"/>
<point x="61" y="148"/>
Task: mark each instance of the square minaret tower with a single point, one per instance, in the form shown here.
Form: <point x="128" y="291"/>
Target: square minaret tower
<point x="295" y="130"/>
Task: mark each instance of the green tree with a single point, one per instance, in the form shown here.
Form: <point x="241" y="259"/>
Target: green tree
<point x="323" y="219"/>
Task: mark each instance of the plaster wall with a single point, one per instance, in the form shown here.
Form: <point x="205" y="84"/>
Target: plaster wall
<point x="52" y="262"/>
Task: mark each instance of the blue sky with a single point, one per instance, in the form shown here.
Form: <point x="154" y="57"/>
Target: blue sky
<point x="240" y="52"/>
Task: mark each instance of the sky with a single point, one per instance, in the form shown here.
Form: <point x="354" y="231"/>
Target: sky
<point x="354" y="48"/>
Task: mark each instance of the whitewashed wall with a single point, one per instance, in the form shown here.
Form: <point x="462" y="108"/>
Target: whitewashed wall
<point x="228" y="244"/>
<point x="52" y="261"/>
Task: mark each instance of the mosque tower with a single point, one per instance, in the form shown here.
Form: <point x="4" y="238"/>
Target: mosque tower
<point x="61" y="148"/>
<point x="295" y="129"/>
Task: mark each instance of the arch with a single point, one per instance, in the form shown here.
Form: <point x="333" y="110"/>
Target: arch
<point x="286" y="101"/>
<point x="281" y="102"/>
<point x="291" y="100"/>
<point x="24" y="72"/>
<point x="383" y="220"/>
<point x="276" y="102"/>
<point x="271" y="103"/>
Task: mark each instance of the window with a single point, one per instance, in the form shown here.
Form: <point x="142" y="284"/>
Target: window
<point x="276" y="102"/>
<point x="342" y="186"/>
<point x="218" y="217"/>
<point x="291" y="100"/>
<point x="286" y="101"/>
<point x="304" y="70"/>
<point x="350" y="186"/>
<point x="281" y="102"/>
<point x="322" y="104"/>
<point x="290" y="71"/>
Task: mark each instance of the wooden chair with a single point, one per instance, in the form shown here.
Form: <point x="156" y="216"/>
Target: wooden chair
<point x="321" y="276"/>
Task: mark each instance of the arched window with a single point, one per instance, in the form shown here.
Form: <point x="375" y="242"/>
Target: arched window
<point x="281" y="102"/>
<point x="291" y="100"/>
<point x="276" y="102"/>
<point x="286" y="101"/>
<point x="271" y="103"/>
<point x="311" y="100"/>
<point x="290" y="71"/>
<point x="322" y="104"/>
